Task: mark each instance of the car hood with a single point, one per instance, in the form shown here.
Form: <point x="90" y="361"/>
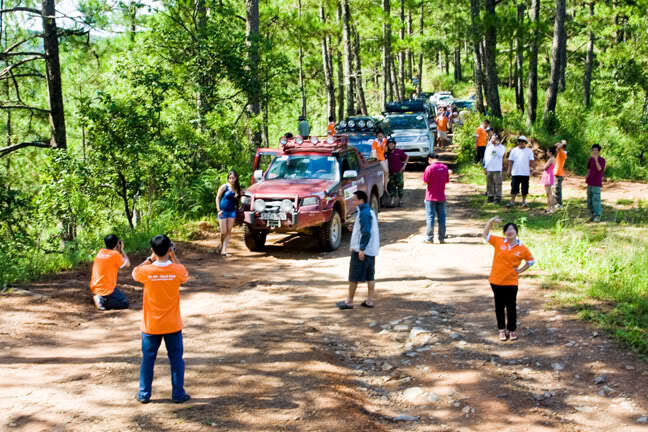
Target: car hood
<point x="290" y="188"/>
<point x="405" y="133"/>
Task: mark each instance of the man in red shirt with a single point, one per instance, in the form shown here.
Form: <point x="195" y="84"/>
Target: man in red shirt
<point x="397" y="160"/>
<point x="103" y="282"/>
<point x="436" y="176"/>
<point x="162" y="274"/>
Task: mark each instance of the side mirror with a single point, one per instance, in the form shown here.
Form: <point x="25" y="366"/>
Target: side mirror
<point x="350" y="174"/>
<point x="258" y="175"/>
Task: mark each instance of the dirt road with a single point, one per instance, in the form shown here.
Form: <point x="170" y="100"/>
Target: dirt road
<point x="266" y="350"/>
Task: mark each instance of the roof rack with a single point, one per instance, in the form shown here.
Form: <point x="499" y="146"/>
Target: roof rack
<point x="415" y="105"/>
<point x="326" y="144"/>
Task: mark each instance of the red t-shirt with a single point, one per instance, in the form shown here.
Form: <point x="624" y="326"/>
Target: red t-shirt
<point x="436" y="176"/>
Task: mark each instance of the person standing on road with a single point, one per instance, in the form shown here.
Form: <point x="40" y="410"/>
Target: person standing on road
<point x="365" y="244"/>
<point x="521" y="163"/>
<point x="504" y="275"/>
<point x="594" y="180"/>
<point x="561" y="157"/>
<point x="331" y="125"/>
<point x="436" y="176"/>
<point x="481" y="140"/>
<point x="103" y="282"/>
<point x="493" y="165"/>
<point x="227" y="201"/>
<point x="397" y="160"/>
<point x="442" y="127"/>
<point x="162" y="274"/>
<point x="547" y="179"/>
<point x="378" y="150"/>
<point x="303" y="127"/>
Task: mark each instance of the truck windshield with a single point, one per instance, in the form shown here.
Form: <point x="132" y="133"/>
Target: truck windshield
<point x="407" y="122"/>
<point x="303" y="167"/>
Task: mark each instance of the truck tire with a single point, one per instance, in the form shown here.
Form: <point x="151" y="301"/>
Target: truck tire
<point x="254" y="239"/>
<point x="374" y="202"/>
<point x="330" y="234"/>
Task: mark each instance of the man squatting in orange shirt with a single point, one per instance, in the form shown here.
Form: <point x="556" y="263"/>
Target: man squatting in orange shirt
<point x="103" y="282"/>
<point x="162" y="274"/>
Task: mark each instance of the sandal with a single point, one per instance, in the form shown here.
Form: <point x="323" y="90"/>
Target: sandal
<point x="342" y="305"/>
<point x="367" y="305"/>
<point x="502" y="335"/>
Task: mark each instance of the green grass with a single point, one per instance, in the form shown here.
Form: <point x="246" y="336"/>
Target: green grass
<point x="624" y="201"/>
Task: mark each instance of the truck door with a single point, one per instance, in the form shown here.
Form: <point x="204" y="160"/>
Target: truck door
<point x="349" y="162"/>
<point x="262" y="160"/>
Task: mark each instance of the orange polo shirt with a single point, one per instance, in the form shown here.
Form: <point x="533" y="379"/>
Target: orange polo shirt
<point x="380" y="148"/>
<point x="482" y="137"/>
<point x="331" y="128"/>
<point x="561" y="157"/>
<point x="104" y="272"/>
<point x="161" y="302"/>
<point x="506" y="259"/>
<point x="442" y="123"/>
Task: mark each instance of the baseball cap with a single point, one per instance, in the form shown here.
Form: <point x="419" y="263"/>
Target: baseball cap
<point x="522" y="138"/>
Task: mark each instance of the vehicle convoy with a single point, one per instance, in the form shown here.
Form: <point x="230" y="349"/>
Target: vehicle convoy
<point x="361" y="131"/>
<point x="412" y="126"/>
<point x="308" y="189"/>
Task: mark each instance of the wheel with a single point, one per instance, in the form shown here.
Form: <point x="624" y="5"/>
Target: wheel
<point x="254" y="239"/>
<point x="374" y="202"/>
<point x="330" y="235"/>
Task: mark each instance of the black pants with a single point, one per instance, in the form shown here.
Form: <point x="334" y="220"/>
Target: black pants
<point x="479" y="157"/>
<point x="505" y="298"/>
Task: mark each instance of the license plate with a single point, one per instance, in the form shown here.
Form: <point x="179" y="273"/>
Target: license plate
<point x="273" y="216"/>
<point x="273" y="223"/>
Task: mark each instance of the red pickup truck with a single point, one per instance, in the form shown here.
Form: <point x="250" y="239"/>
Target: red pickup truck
<point x="308" y="188"/>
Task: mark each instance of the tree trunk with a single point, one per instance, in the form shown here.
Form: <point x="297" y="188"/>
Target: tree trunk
<point x="388" y="90"/>
<point x="328" y="73"/>
<point x="401" y="60"/>
<point x="410" y="68"/>
<point x="53" y="72"/>
<point x="589" y="61"/>
<point x="302" y="88"/>
<point x="532" y="90"/>
<point x="202" y="106"/>
<point x="563" y="57"/>
<point x="510" y="63"/>
<point x="419" y="86"/>
<point x="492" y="92"/>
<point x="457" y="64"/>
<point x="340" y="67"/>
<point x="252" y="43"/>
<point x="362" y="102"/>
<point x="349" y="80"/>
<point x="552" y="90"/>
<point x="397" y="92"/>
<point x="446" y="58"/>
<point x="618" y="23"/>
<point x="476" y="37"/>
<point x="519" y="59"/>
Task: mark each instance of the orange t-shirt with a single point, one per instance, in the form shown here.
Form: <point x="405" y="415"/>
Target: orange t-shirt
<point x="561" y="157"/>
<point x="506" y="259"/>
<point x="442" y="123"/>
<point x="331" y="128"/>
<point x="161" y="303"/>
<point x="380" y="148"/>
<point x="482" y="137"/>
<point x="104" y="272"/>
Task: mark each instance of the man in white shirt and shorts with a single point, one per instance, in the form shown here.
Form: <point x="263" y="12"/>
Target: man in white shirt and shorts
<point x="521" y="164"/>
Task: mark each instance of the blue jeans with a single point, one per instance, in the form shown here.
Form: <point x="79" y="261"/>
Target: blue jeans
<point x="116" y="300"/>
<point x="594" y="200"/>
<point x="433" y="208"/>
<point x="150" y="345"/>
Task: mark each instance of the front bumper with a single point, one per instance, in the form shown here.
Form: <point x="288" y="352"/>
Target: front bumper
<point x="295" y="222"/>
<point x="416" y="150"/>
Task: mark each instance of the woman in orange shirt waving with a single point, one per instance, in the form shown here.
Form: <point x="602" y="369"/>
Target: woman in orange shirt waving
<point x="509" y="254"/>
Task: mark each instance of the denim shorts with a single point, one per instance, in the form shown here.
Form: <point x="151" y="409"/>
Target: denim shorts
<point x="227" y="214"/>
<point x="362" y="271"/>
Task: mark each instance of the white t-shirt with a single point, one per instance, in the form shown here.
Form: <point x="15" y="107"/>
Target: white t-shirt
<point x="493" y="156"/>
<point x="521" y="159"/>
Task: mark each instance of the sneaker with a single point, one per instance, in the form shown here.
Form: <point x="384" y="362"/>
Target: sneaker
<point x="513" y="335"/>
<point x="442" y="241"/>
<point x="97" y="301"/>
<point x="143" y="400"/>
<point x="510" y="204"/>
<point x="596" y="219"/>
<point x="524" y="205"/>
<point x="428" y="241"/>
<point x="183" y="399"/>
<point x="502" y="335"/>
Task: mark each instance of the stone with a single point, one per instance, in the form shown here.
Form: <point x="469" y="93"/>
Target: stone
<point x="601" y="379"/>
<point x="433" y="397"/>
<point x="417" y="331"/>
<point x="502" y="395"/>
<point x="411" y="354"/>
<point x="558" y="366"/>
<point x="401" y="328"/>
<point x="468" y="410"/>
<point x="642" y="419"/>
<point x="423" y="349"/>
<point x="405" y="418"/>
<point x="395" y="322"/>
<point x="628" y="367"/>
<point x="456" y="404"/>
<point x="383" y="331"/>
<point x="455" y="336"/>
<point x="387" y="367"/>
<point x="373" y="324"/>
<point x="413" y="394"/>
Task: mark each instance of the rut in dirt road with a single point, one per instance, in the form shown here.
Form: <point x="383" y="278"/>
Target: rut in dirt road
<point x="266" y="349"/>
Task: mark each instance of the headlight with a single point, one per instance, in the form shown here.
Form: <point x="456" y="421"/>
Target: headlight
<point x="299" y="140"/>
<point x="362" y="123"/>
<point x="342" y="124"/>
<point x="422" y="139"/>
<point x="286" y="206"/>
<point x="245" y="200"/>
<point x="330" y="140"/>
<point x="370" y="124"/>
<point x="259" y="205"/>
<point x="310" y="201"/>
<point x="351" y="123"/>
<point x="314" y="140"/>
